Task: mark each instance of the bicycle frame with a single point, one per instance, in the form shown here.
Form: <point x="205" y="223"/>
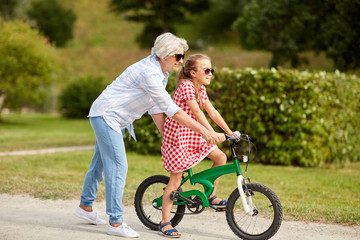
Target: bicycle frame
<point x="206" y="178"/>
<point x="245" y="219"/>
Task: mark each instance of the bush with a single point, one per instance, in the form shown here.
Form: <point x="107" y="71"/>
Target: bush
<point x="53" y="20"/>
<point x="77" y="97"/>
<point x="294" y="117"/>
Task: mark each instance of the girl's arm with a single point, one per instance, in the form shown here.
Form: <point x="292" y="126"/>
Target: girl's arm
<point x="200" y="116"/>
<point x="159" y="122"/>
<point x="216" y="117"/>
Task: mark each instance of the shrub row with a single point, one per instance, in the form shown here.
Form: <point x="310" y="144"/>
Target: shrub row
<point x="295" y="117"/>
<point x="299" y="118"/>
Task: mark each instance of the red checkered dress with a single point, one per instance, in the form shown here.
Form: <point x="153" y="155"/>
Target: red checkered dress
<point x="182" y="148"/>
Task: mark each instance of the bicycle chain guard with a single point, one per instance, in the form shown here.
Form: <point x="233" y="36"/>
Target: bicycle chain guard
<point x="197" y="206"/>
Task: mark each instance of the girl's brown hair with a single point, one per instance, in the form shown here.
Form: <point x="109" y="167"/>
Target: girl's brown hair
<point x="184" y="74"/>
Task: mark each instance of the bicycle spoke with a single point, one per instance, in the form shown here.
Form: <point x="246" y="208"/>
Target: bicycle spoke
<point x="264" y="221"/>
<point x="152" y="188"/>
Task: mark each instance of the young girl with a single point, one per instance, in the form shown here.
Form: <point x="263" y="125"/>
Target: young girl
<point x="183" y="148"/>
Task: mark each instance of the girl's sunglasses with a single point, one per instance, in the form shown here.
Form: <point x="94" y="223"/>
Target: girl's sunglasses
<point x="208" y="71"/>
<point x="179" y="56"/>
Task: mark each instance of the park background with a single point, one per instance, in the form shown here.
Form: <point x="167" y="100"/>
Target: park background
<point x="303" y="116"/>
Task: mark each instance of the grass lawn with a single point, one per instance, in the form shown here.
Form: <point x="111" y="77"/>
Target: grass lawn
<point x="37" y="131"/>
<point x="328" y="194"/>
<point x="325" y="195"/>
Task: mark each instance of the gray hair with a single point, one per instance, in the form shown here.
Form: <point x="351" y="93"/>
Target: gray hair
<point x="168" y="44"/>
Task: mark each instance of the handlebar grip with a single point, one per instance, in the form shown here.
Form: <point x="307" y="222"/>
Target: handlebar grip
<point x="237" y="136"/>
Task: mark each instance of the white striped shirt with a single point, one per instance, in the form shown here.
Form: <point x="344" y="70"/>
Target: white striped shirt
<point x="139" y="89"/>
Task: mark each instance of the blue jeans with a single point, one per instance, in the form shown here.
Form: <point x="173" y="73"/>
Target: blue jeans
<point x="109" y="158"/>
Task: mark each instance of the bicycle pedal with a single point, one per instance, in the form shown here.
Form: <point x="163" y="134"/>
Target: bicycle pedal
<point x="219" y="208"/>
<point x="174" y="195"/>
<point x="223" y="209"/>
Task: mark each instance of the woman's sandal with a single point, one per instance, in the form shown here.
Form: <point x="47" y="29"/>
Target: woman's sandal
<point x="221" y="204"/>
<point x="167" y="233"/>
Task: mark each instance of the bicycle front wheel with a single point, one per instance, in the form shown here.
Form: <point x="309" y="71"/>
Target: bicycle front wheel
<point x="266" y="218"/>
<point x="150" y="215"/>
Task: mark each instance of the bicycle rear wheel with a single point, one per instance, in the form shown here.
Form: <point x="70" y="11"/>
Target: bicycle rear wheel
<point x="267" y="217"/>
<point x="150" y="189"/>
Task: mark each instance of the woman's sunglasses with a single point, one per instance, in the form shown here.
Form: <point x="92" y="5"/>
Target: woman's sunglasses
<point x="208" y="71"/>
<point x="179" y="57"/>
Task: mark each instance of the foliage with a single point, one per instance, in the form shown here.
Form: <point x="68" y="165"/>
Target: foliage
<point x="340" y="33"/>
<point x="53" y="20"/>
<point x="295" y="118"/>
<point x="7" y="8"/>
<point x="157" y="16"/>
<point x="27" y="64"/>
<point x="77" y="97"/>
<point x="147" y="135"/>
<point x="287" y="28"/>
<point x="213" y="26"/>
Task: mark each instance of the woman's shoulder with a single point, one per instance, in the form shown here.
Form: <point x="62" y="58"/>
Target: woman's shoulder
<point x="149" y="66"/>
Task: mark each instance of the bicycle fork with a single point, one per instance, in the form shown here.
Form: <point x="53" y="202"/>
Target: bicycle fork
<point x="245" y="200"/>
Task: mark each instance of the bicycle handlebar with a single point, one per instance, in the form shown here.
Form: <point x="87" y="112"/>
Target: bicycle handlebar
<point x="236" y="138"/>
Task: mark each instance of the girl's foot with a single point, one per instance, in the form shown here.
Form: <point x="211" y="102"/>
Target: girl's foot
<point x="167" y="230"/>
<point x="217" y="202"/>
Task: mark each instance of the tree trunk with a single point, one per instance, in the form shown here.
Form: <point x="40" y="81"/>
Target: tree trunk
<point x="2" y="100"/>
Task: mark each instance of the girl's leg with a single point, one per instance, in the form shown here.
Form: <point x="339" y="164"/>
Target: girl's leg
<point x="219" y="159"/>
<point x="173" y="185"/>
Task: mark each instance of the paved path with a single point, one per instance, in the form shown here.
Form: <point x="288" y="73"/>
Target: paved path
<point x="22" y="217"/>
<point x="46" y="151"/>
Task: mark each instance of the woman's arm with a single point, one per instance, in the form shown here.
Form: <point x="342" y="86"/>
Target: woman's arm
<point x="210" y="137"/>
<point x="199" y="115"/>
<point x="159" y="121"/>
<point x="216" y="117"/>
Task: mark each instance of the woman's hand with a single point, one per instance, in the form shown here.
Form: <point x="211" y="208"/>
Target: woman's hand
<point x="210" y="137"/>
<point x="213" y="137"/>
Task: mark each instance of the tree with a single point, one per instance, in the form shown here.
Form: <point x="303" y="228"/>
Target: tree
<point x="53" y="20"/>
<point x="287" y="27"/>
<point x="214" y="25"/>
<point x="7" y="8"/>
<point x="26" y="65"/>
<point x="158" y="16"/>
<point x="340" y="33"/>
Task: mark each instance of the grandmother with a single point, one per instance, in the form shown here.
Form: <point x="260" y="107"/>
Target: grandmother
<point x="139" y="89"/>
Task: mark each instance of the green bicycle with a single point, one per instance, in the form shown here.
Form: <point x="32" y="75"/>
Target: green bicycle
<point x="253" y="211"/>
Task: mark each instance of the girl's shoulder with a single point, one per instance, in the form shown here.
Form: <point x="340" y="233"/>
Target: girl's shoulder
<point x="186" y="82"/>
<point x="185" y="85"/>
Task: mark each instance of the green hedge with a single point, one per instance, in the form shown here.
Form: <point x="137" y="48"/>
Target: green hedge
<point x="76" y="98"/>
<point x="299" y="118"/>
